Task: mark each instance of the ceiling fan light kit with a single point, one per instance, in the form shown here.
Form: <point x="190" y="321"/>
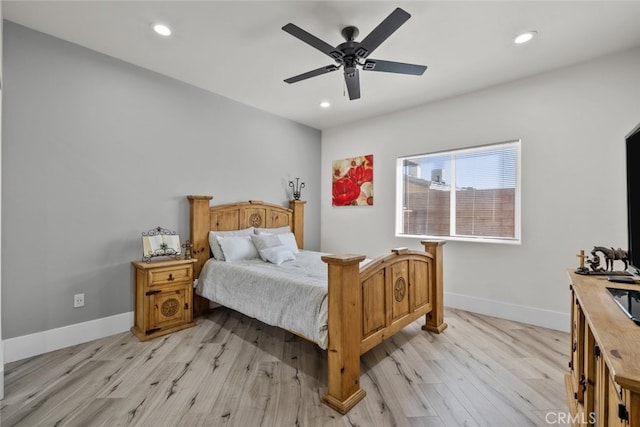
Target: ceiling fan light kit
<point x="351" y="54"/>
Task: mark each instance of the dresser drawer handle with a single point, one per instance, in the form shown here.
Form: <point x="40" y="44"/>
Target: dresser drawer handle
<point x="171" y="277"/>
<point x="583" y="382"/>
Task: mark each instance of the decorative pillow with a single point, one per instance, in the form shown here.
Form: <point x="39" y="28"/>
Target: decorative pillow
<point x="236" y="248"/>
<point x="289" y="241"/>
<point x="284" y="233"/>
<point x="216" y="250"/>
<point x="264" y="241"/>
<point x="278" y="254"/>
<point x="271" y="249"/>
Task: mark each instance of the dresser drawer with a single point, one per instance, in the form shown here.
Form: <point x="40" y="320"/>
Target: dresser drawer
<point x="160" y="277"/>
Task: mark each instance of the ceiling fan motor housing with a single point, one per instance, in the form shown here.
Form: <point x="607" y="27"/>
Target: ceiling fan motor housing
<point x="350" y="33"/>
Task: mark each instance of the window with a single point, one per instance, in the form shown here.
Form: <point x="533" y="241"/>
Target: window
<point x="469" y="194"/>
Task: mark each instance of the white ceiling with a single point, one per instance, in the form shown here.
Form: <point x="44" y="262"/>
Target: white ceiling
<point x="237" y="48"/>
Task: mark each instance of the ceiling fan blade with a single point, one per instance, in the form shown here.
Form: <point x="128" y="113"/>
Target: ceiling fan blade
<point x="312" y="40"/>
<point x="393" y="67"/>
<point x="382" y="32"/>
<point x="317" y="72"/>
<point x="352" y="79"/>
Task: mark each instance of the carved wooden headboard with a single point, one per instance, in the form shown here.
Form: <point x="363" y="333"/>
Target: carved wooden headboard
<point x="236" y="216"/>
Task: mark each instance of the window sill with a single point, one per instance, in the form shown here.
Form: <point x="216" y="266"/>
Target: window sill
<point x="494" y="240"/>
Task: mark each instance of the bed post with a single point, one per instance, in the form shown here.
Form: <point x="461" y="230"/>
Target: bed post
<point x="345" y="332"/>
<point x="199" y="225"/>
<point x="297" y="227"/>
<point x="435" y="319"/>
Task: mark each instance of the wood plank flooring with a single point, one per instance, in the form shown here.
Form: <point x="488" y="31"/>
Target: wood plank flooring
<point x="231" y="370"/>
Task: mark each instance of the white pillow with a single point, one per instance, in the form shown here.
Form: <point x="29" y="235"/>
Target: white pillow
<point x="289" y="241"/>
<point x="278" y="254"/>
<point x="271" y="249"/>
<point x="284" y="233"/>
<point x="236" y="248"/>
<point x="276" y="230"/>
<point x="216" y="250"/>
<point x="264" y="241"/>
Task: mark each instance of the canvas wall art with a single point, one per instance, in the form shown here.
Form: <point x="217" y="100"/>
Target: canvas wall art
<point x="353" y="181"/>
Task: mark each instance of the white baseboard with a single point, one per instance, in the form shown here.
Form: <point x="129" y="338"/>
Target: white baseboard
<point x="1" y="370"/>
<point x="54" y="339"/>
<point x="518" y="313"/>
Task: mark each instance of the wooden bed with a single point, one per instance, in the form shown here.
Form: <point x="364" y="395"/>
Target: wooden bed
<point x="365" y="305"/>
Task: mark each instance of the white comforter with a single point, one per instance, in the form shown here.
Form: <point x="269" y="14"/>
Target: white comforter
<point x="291" y="296"/>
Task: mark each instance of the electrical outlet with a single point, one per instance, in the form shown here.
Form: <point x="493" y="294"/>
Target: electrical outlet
<point x="78" y="300"/>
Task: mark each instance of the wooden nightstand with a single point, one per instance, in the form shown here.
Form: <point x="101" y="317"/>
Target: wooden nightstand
<point x="164" y="297"/>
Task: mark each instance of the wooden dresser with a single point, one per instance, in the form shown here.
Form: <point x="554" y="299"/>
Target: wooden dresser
<point x="603" y="387"/>
<point x="163" y="298"/>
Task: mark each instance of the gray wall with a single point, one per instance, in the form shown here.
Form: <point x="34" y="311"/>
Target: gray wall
<point x="572" y="123"/>
<point x="1" y="343"/>
<point x="96" y="150"/>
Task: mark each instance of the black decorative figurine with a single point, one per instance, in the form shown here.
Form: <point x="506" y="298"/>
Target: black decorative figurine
<point x="297" y="188"/>
<point x="609" y="254"/>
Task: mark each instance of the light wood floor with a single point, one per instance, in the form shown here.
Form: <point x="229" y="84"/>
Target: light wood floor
<point x="235" y="371"/>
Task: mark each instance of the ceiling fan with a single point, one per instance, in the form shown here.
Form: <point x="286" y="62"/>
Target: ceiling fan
<point x="352" y="54"/>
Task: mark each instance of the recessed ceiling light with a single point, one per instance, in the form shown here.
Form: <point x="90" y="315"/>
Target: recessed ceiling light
<point x="325" y="104"/>
<point x="525" y="37"/>
<point x="162" y="29"/>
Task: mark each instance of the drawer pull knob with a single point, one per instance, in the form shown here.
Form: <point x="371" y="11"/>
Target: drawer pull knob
<point x="171" y="277"/>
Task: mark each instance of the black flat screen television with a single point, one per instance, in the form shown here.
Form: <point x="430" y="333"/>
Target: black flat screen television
<point x="633" y="200"/>
<point x="629" y="301"/>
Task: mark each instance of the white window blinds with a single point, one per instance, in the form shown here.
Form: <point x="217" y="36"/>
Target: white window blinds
<point x="469" y="194"/>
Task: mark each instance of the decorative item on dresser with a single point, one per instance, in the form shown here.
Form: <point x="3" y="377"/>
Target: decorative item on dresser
<point x="364" y="304"/>
<point x="603" y="387"/>
<point x="610" y="256"/>
<point x="163" y="297"/>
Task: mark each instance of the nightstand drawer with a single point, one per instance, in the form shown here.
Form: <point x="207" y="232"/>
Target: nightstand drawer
<point x="160" y="277"/>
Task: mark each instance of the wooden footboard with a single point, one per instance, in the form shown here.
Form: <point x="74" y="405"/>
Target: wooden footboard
<point x="370" y="304"/>
<point x="365" y="305"/>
